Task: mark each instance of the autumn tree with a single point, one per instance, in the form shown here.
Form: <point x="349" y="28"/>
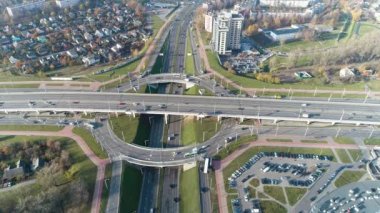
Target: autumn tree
<point x="252" y="30"/>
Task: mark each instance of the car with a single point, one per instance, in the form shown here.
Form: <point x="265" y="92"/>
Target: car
<point x="121" y="103"/>
<point x="162" y="106"/>
<point x="76" y="102"/>
<point x="135" y="104"/>
<point x="305" y="105"/>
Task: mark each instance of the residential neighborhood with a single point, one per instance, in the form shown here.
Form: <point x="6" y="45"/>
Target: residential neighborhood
<point x="71" y="37"/>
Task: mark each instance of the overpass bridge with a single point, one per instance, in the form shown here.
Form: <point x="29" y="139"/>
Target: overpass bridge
<point x="307" y="111"/>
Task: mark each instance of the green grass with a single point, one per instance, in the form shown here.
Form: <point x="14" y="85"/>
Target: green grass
<point x="254" y="182"/>
<point x="232" y="146"/>
<point x="116" y="72"/>
<point x="189" y="60"/>
<point x="106" y="187"/>
<point x="348" y="177"/>
<point x="372" y="141"/>
<point x="9" y="86"/>
<point x="192" y="130"/>
<point x="276" y="192"/>
<point x="313" y="141"/>
<point x="195" y="91"/>
<point x="131" y="182"/>
<point x="47" y="128"/>
<point x="135" y="129"/>
<point x="244" y="157"/>
<point x="344" y="140"/>
<point x="252" y="192"/>
<point x="294" y="194"/>
<point x="6" y="140"/>
<point x="91" y="142"/>
<point x="343" y="155"/>
<point x="279" y="140"/>
<point x="356" y="154"/>
<point x="189" y="191"/>
<point x="229" y="198"/>
<point x="214" y="195"/>
<point x="82" y="166"/>
<point x="261" y="195"/>
<point x="248" y="80"/>
<point x="271" y="206"/>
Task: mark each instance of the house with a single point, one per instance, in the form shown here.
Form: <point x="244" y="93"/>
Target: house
<point x="72" y="53"/>
<point x="116" y="49"/>
<point x="348" y="72"/>
<point x="303" y="75"/>
<point x="88" y="36"/>
<point x="90" y="60"/>
<point x="36" y="163"/>
<point x="10" y="174"/>
<point x="99" y="34"/>
<point x="13" y="60"/>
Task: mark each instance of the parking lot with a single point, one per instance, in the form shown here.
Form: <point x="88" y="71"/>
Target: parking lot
<point x="283" y="170"/>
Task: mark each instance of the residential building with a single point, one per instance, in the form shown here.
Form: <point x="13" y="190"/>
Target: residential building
<point x="10" y="174"/>
<point x="20" y="9"/>
<point x="286" y="3"/>
<point x="90" y="60"/>
<point x="208" y="22"/>
<point x="66" y="3"/>
<point x="226" y="32"/>
<point x="286" y="33"/>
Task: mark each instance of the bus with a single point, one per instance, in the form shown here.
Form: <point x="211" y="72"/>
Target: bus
<point x="205" y="168"/>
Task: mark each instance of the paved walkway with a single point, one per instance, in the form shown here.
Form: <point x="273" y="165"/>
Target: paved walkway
<point x="100" y="163"/>
<point x="222" y="194"/>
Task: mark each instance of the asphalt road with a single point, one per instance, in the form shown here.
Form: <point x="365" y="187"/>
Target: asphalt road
<point x="205" y="191"/>
<point x="149" y="190"/>
<point x="115" y="187"/>
<point x="318" y="111"/>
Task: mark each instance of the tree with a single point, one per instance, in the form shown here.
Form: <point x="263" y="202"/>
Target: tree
<point x="252" y="30"/>
<point x="356" y="14"/>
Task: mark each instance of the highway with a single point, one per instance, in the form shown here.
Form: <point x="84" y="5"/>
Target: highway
<point x="201" y="106"/>
<point x="175" y="66"/>
<point x="159" y="157"/>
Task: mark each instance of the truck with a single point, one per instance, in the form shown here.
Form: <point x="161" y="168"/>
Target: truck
<point x="305" y="115"/>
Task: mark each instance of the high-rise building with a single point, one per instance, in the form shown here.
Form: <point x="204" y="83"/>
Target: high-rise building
<point x="20" y="9"/>
<point x="226" y="32"/>
<point x="208" y="22"/>
<point x="66" y="3"/>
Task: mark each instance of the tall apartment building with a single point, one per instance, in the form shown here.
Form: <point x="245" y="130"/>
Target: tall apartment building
<point x="20" y="9"/>
<point x="226" y="32"/>
<point x="208" y="22"/>
<point x="66" y="3"/>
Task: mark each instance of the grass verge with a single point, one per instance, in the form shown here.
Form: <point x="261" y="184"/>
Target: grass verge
<point x="276" y="192"/>
<point x="30" y="128"/>
<point x="343" y="155"/>
<point x="131" y="183"/>
<point x="271" y="206"/>
<point x="279" y="140"/>
<point x="131" y="129"/>
<point x="106" y="187"/>
<point x="356" y="154"/>
<point x="294" y="194"/>
<point x="313" y="141"/>
<point x="348" y="177"/>
<point x="91" y="142"/>
<point x="189" y="191"/>
<point x="344" y="140"/>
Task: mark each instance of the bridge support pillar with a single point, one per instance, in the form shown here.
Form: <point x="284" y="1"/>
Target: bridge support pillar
<point x="275" y="121"/>
<point x="219" y="118"/>
<point x="308" y="122"/>
<point x="133" y="114"/>
<point x="166" y="118"/>
<point x="358" y="124"/>
<point x="116" y="114"/>
<point x="241" y="119"/>
<point x="333" y="123"/>
<point x="38" y="112"/>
